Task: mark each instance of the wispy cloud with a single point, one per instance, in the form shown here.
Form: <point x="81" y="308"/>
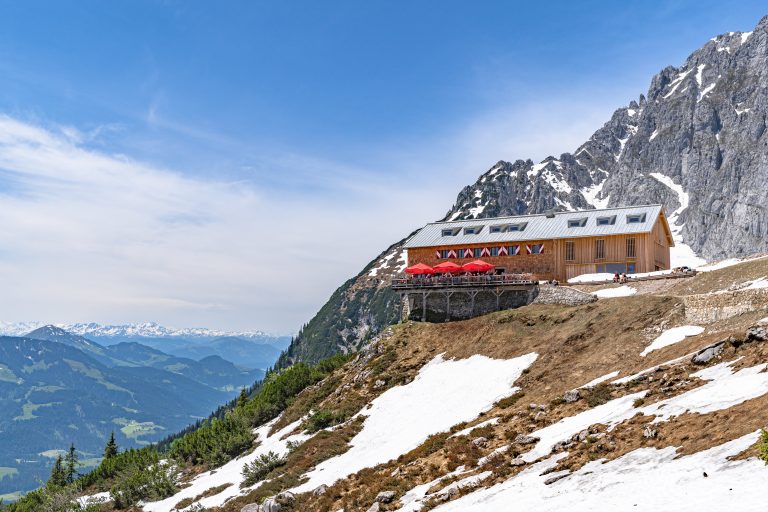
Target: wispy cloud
<point x="91" y="236"/>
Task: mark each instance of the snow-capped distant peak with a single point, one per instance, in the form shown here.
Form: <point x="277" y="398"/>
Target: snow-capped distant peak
<point x="140" y="330"/>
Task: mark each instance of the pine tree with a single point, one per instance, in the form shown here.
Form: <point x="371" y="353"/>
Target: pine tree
<point x="111" y="449"/>
<point x="243" y="398"/>
<point x="58" y="473"/>
<point x="71" y="462"/>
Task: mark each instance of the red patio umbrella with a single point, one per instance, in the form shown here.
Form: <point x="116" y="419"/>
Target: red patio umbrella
<point x="447" y="267"/>
<point x="477" y="266"/>
<point x="419" y="269"/>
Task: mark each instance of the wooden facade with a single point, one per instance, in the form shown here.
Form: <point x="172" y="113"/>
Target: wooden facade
<point x="564" y="258"/>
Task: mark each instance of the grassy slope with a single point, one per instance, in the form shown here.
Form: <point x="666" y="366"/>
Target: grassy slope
<point x="575" y="345"/>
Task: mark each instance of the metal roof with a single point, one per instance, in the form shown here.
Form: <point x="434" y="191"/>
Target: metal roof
<point x="539" y="227"/>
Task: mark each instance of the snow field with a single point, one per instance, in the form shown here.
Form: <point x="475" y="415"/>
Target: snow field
<point x="672" y="336"/>
<point x="621" y="291"/>
<point x="644" y="479"/>
<point x="444" y="393"/>
<point x="724" y="390"/>
<point x="599" y="380"/>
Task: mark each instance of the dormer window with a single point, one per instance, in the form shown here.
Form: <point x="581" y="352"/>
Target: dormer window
<point x="635" y="218"/>
<point x="451" y="231"/>
<point x="577" y="223"/>
<point x="606" y="221"/>
<point x="506" y="228"/>
<point x="474" y="230"/>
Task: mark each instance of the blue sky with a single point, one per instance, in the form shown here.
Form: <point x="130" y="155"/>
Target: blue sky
<point x="155" y="157"/>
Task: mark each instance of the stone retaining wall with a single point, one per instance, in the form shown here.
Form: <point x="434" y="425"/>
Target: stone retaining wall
<point x="564" y="295"/>
<point x="712" y="307"/>
<point x="463" y="307"/>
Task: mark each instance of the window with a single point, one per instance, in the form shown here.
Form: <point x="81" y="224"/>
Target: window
<point x="497" y="229"/>
<point x="444" y="254"/>
<point x="513" y="250"/>
<point x="494" y="251"/>
<point x="635" y="218"/>
<point x="577" y="223"/>
<point x="613" y="268"/>
<point x="599" y="249"/>
<point x="473" y="230"/>
<point x="631" y="247"/>
<point x="570" y="251"/>
<point x="606" y="221"/>
<point x="517" y="227"/>
<point x="477" y="252"/>
<point x="537" y="249"/>
<point x="631" y="268"/>
<point x="451" y="231"/>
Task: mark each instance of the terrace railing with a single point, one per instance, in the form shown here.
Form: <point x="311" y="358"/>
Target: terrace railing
<point x="433" y="282"/>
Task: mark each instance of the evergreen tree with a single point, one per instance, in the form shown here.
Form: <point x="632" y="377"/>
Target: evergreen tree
<point x="111" y="449"/>
<point x="58" y="473"/>
<point x="71" y="463"/>
<point x="243" y="398"/>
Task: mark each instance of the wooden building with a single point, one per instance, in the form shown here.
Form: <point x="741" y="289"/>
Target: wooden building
<point x="557" y="245"/>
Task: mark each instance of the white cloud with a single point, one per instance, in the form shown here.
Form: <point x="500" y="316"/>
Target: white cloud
<point x="91" y="236"/>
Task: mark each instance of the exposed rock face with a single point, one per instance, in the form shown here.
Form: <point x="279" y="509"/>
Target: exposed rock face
<point x="385" y="496"/>
<point x="696" y="142"/>
<point x="701" y="126"/>
<point x="523" y="439"/>
<point x="705" y="355"/>
<point x="572" y="396"/>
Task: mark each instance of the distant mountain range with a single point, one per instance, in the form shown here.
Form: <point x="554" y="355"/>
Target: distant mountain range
<point x="59" y="387"/>
<point x="140" y="330"/>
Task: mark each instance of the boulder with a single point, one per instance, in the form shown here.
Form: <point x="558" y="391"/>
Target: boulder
<point x="253" y="507"/>
<point x="572" y="396"/>
<point x="757" y="333"/>
<point x="517" y="461"/>
<point x="480" y="441"/>
<point x="270" y="505"/>
<point x="706" y="354"/>
<point x="385" y="497"/>
<point x="379" y="384"/>
<point x="285" y="498"/>
<point x="650" y="433"/>
<point x="376" y="507"/>
<point x="554" y="479"/>
<point x="523" y="439"/>
<point x="320" y="490"/>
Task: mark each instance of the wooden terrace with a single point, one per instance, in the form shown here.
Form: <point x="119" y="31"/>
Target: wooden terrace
<point x="523" y="281"/>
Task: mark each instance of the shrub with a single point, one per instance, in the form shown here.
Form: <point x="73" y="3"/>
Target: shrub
<point x="320" y="420"/>
<point x="156" y="482"/>
<point x="763" y="446"/>
<point x="638" y="402"/>
<point x="509" y="401"/>
<point x="261" y="467"/>
<point x="598" y="395"/>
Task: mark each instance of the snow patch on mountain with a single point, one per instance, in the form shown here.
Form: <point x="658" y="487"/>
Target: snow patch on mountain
<point x="444" y="393"/>
<point x="681" y="254"/>
<point x="672" y="336"/>
<point x="643" y="479"/>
